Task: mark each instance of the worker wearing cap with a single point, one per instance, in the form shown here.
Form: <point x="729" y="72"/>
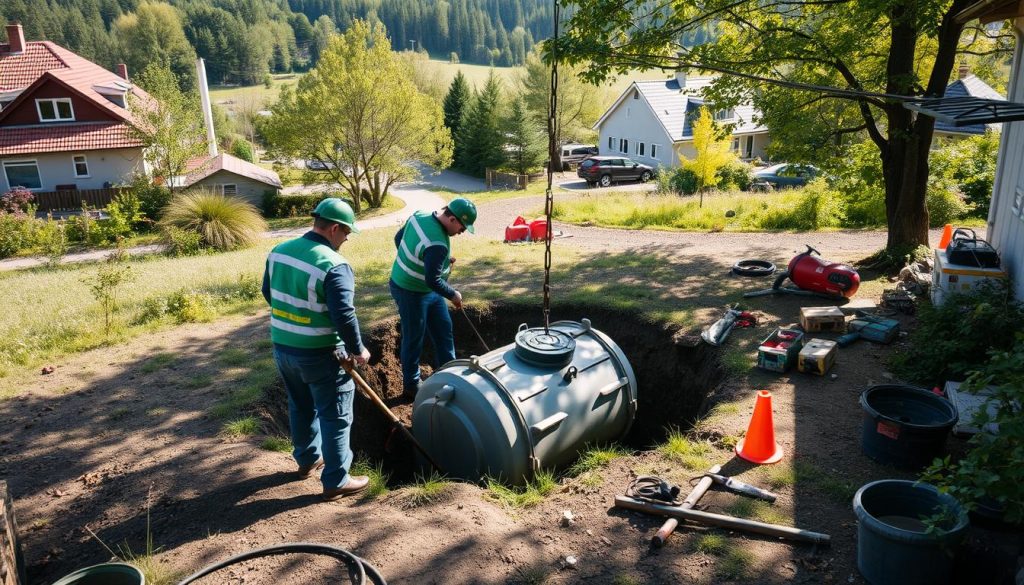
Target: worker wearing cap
<point x="310" y="289"/>
<point x="419" y="284"/>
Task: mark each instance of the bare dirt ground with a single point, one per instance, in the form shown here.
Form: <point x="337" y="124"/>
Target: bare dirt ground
<point x="122" y="433"/>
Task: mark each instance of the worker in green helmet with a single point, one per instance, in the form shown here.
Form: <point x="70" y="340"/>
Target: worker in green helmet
<point x="419" y="285"/>
<point x="310" y="288"/>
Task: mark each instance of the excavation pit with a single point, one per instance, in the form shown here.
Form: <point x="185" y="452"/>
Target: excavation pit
<point x="674" y="375"/>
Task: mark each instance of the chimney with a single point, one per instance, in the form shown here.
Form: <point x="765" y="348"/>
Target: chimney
<point x="964" y="70"/>
<point x="681" y="77"/>
<point x="122" y="71"/>
<point x="16" y="38"/>
<point x="204" y="98"/>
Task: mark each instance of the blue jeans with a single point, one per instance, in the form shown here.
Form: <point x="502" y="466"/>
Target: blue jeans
<point x="422" y="313"/>
<point x="320" y="397"/>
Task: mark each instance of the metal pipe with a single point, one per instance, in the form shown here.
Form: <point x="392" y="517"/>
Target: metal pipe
<point x="710" y="519"/>
<point x="696" y="494"/>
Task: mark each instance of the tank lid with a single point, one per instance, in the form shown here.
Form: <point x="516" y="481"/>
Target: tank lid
<point x="551" y="348"/>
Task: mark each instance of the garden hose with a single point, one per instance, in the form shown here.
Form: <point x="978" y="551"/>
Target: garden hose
<point x="359" y="569"/>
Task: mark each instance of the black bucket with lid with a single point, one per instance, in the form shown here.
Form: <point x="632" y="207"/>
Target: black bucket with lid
<point x="905" y="426"/>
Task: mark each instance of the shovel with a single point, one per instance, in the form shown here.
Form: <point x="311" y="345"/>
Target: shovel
<point x="368" y="392"/>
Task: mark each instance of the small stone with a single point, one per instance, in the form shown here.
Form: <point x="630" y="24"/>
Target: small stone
<point x="590" y="532"/>
<point x="567" y="518"/>
<point x="606" y="541"/>
<point x="48" y="370"/>
<point x="730" y="213"/>
<point x="834" y="377"/>
<point x="887" y="375"/>
<point x="569" y="562"/>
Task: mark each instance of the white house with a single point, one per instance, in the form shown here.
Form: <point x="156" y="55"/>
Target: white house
<point x="1006" y="214"/>
<point x="652" y="121"/>
<point x="967" y="85"/>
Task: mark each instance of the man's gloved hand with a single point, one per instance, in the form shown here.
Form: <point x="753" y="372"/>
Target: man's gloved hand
<point x="363" y="357"/>
<point x="457" y="300"/>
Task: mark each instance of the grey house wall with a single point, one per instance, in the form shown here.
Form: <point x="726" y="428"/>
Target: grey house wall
<point x="634" y="121"/>
<point x="1006" y="215"/>
<point x="248" y="189"/>
<point x="57" y="168"/>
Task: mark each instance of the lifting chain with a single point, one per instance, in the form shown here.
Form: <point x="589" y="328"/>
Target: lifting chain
<point x="549" y="199"/>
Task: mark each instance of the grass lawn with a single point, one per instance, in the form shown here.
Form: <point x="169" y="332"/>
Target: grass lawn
<point x="229" y="96"/>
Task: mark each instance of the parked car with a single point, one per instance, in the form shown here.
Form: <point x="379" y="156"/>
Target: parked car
<point x="318" y="165"/>
<point x="604" y="170"/>
<point x="783" y="175"/>
<point x="574" y="154"/>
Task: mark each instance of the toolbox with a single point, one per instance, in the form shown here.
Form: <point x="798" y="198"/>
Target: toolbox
<point x="779" y="351"/>
<point x="817" y="357"/>
<point x="815" y="319"/>
<point x="950" y="278"/>
<point x="876" y="329"/>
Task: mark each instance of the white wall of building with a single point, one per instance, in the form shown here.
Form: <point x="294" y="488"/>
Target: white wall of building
<point x="634" y="122"/>
<point x="102" y="166"/>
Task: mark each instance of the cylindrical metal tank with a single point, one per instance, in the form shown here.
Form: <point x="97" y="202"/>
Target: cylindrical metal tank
<point x="529" y="405"/>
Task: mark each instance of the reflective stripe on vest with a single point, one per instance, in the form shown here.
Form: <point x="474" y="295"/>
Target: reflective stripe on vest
<point x="421" y="232"/>
<point x="299" y="316"/>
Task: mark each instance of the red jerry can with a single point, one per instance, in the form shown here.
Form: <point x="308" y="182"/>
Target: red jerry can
<point x="539" y="230"/>
<point x="517" y="233"/>
<point x="519" y="220"/>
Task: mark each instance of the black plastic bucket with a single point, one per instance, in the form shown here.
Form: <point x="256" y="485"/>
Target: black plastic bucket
<point x="105" y="574"/>
<point x="905" y="426"/>
<point x="892" y="545"/>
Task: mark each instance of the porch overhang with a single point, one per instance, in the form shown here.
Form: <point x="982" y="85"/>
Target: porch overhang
<point x="967" y="111"/>
<point x="991" y="11"/>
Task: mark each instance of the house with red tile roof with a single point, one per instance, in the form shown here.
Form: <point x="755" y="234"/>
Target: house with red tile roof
<point x="65" y="124"/>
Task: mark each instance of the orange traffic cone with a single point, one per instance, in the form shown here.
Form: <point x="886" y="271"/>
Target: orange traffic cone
<point x="947" y="234"/>
<point x="759" y="445"/>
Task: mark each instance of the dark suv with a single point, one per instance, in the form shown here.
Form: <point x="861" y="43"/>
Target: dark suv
<point x="604" y="170"/>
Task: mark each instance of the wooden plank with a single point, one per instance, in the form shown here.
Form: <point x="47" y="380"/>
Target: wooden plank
<point x="12" y="562"/>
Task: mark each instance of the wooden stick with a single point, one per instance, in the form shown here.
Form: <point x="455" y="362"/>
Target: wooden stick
<point x="368" y="392"/>
<point x="722" y="521"/>
<point x="691" y="500"/>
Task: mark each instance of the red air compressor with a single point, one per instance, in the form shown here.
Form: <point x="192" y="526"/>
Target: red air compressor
<point x="814" y="276"/>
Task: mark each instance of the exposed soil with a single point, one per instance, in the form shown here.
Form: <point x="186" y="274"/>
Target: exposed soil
<point x="116" y="434"/>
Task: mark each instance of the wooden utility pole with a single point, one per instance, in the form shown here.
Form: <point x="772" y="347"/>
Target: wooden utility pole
<point x="12" y="563"/>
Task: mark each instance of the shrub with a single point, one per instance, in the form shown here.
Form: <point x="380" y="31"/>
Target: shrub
<point x="681" y="180"/>
<point x="277" y="205"/>
<point x="52" y="241"/>
<point x="124" y="214"/>
<point x="190" y="307"/>
<point x="17" y="200"/>
<point x="945" y="202"/>
<point x="735" y="176"/>
<point x="249" y="287"/>
<point x="224" y="222"/>
<point x="182" y="242"/>
<point x="818" y="207"/>
<point x="243" y="149"/>
<point x="954" y="338"/>
<point x="152" y="198"/>
<point x="970" y="164"/>
<point x="17" y="232"/>
<point x="865" y="207"/>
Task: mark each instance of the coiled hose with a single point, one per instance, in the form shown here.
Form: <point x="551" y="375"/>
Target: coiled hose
<point x="361" y="568"/>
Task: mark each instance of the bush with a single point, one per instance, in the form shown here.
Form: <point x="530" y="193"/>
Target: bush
<point x="945" y="202"/>
<point x="955" y="338"/>
<point x="152" y="198"/>
<point x="818" y="207"/>
<point x="277" y="205"/>
<point x="17" y="200"/>
<point x="866" y="207"/>
<point x="681" y="180"/>
<point x="125" y="214"/>
<point x="52" y="241"/>
<point x="17" y="233"/>
<point x="970" y="164"/>
<point x="736" y="175"/>
<point x="223" y="222"/>
<point x="243" y="149"/>
<point x="182" y="242"/>
<point x="190" y="307"/>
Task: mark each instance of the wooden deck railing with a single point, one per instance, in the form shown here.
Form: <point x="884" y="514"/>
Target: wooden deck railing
<point x="72" y="200"/>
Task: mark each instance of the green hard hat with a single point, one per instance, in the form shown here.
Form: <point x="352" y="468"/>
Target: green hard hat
<point x="338" y="211"/>
<point x="465" y="211"/>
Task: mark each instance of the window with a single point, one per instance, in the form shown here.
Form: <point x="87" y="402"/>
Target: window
<point x="23" y="174"/>
<point x="636" y="95"/>
<point x="55" y="110"/>
<point x="640" y="149"/>
<point x="624" y="145"/>
<point x="735" y="146"/>
<point x="230" y="189"/>
<point x="611" y="142"/>
<point x="654" y="151"/>
<point x="723" y="115"/>
<point x="81" y="166"/>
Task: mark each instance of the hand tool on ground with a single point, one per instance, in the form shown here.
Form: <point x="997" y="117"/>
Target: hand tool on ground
<point x="473" y="327"/>
<point x="696" y="493"/>
<point x="734" y="316"/>
<point x="722" y="521"/>
<point x="739" y="487"/>
<point x="349" y="365"/>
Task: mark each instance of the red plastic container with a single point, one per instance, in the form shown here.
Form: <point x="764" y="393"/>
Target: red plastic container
<point x="517" y="233"/>
<point x="519" y="220"/>
<point x="539" y="230"/>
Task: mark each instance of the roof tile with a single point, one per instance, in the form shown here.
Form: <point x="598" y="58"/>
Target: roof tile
<point x="65" y="137"/>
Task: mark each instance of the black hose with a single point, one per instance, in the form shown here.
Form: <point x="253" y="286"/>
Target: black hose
<point x="752" y="267"/>
<point x="359" y="565"/>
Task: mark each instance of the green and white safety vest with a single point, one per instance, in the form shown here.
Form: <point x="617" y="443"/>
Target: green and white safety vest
<point x="421" y="232"/>
<point x="298" y="306"/>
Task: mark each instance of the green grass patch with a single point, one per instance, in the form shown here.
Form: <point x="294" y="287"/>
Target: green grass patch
<point x="519" y="498"/>
<point x="156" y="572"/>
<point x="735" y="564"/>
<point x="827" y="483"/>
<point x="242" y="427"/>
<point x="233" y="97"/>
<point x="234" y="356"/>
<point x="691" y="453"/>
<point x="737" y="361"/>
<point x="378" y="485"/>
<point x="198" y="381"/>
<point x="427" y="489"/>
<point x="743" y="507"/>
<point x="157" y="362"/>
<point x="119" y="413"/>
<point x="596" y="457"/>
<point x="278" y="444"/>
<point x="711" y="544"/>
<point x="780" y="476"/>
<point x="157" y="411"/>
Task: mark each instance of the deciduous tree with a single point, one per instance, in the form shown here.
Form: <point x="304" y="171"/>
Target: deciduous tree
<point x="154" y="34"/>
<point x="712" y="152"/>
<point x="359" y="112"/>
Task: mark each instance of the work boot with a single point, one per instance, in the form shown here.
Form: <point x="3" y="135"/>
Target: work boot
<point x="305" y="471"/>
<point x="356" y="484"/>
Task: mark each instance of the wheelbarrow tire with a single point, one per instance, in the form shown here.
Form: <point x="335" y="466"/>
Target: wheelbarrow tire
<point x="753" y="267"/>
